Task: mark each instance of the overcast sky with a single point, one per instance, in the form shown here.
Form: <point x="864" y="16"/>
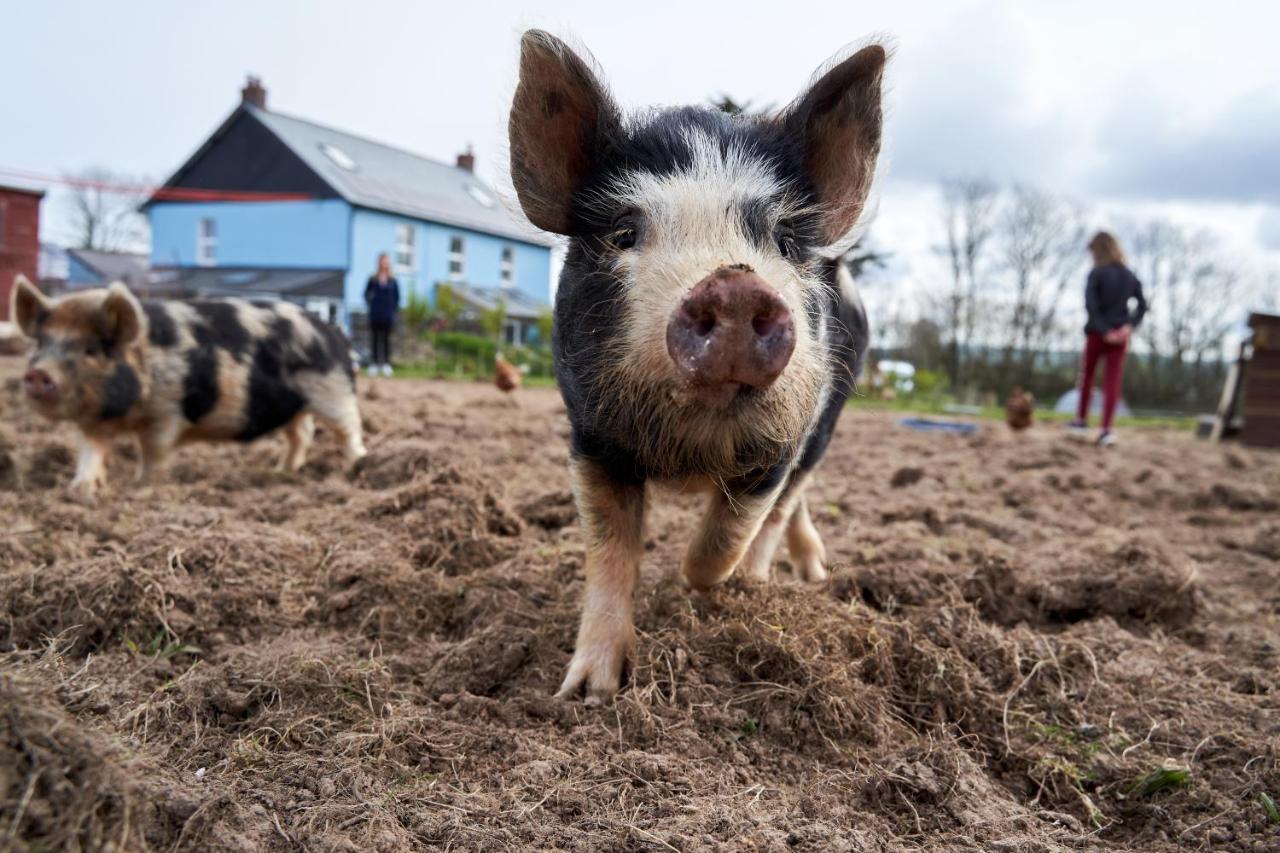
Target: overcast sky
<point x="1130" y="108"/>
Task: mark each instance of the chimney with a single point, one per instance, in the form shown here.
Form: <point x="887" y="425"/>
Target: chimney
<point x="467" y="160"/>
<point x="253" y="93"/>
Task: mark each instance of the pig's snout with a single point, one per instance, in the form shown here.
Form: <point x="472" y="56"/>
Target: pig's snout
<point x="39" y="384"/>
<point x="731" y="330"/>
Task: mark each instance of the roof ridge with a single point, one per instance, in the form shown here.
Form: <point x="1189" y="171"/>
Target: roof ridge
<point x="365" y="139"/>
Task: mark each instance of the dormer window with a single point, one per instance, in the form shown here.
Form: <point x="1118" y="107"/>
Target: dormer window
<point x="340" y="158"/>
<point x="480" y="195"/>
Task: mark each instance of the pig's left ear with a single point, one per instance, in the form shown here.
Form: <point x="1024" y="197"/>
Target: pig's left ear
<point x="122" y="313"/>
<point x="560" y="117"/>
<point x="839" y="120"/>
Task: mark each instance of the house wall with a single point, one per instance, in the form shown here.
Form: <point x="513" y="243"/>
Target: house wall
<point x="295" y="234"/>
<point x="19" y="240"/>
<point x="374" y="232"/>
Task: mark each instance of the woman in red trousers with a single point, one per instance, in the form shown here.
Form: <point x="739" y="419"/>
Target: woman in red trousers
<point x="1107" y="297"/>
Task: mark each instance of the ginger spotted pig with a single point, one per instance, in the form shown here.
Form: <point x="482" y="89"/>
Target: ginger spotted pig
<point x="705" y="333"/>
<point x="171" y="372"/>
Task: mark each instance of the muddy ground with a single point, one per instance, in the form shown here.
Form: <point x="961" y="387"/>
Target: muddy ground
<point x="1024" y="644"/>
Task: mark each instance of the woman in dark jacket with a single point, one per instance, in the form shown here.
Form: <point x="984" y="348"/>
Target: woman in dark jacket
<point x="1110" y="289"/>
<point x="382" y="296"/>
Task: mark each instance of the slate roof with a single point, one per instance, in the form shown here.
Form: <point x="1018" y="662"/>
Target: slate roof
<point x="520" y="306"/>
<point x="250" y="281"/>
<point x="378" y="176"/>
<point x="114" y="266"/>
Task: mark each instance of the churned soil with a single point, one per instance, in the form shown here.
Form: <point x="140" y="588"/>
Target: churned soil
<point x="1025" y="644"/>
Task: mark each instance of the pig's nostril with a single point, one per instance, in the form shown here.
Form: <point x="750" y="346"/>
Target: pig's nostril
<point x="768" y="323"/>
<point x="703" y="326"/>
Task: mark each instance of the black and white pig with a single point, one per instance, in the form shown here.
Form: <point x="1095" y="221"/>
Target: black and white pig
<point x="171" y="372"/>
<point x="703" y="334"/>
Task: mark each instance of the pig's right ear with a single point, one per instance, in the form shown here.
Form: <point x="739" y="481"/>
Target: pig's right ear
<point x="560" y="115"/>
<point x="26" y="306"/>
<point x="122" y="314"/>
<point x="839" y="119"/>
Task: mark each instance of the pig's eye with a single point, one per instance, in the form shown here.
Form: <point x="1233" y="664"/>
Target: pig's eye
<point x="787" y="245"/>
<point x="93" y="348"/>
<point x="625" y="233"/>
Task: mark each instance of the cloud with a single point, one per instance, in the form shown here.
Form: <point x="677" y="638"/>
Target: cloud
<point x="1148" y="150"/>
<point x="962" y="106"/>
<point x="1269" y="230"/>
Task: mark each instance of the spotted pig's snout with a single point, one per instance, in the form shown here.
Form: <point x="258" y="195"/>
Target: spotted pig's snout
<point x="39" y="384"/>
<point x="732" y="329"/>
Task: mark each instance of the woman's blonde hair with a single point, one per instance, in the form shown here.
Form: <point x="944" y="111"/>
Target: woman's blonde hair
<point x="1105" y="249"/>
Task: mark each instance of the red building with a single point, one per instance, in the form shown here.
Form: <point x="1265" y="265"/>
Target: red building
<point x="19" y="239"/>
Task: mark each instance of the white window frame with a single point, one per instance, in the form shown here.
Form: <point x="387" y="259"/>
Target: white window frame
<point x="206" y="242"/>
<point x="405" y="259"/>
<point x="507" y="266"/>
<point x="457" y="257"/>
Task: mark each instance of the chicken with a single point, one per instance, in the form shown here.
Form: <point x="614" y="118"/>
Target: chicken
<point x="1019" y="411"/>
<point x="506" y="375"/>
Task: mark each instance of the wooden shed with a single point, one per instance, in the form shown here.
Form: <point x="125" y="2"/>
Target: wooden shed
<point x="1261" y="403"/>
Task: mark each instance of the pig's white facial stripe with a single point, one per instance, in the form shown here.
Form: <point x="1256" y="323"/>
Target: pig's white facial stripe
<point x="693" y="224"/>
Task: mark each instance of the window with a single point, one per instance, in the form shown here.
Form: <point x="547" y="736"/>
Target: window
<point x="206" y="243"/>
<point x="405" y="258"/>
<point x="507" y="267"/>
<point x="457" y="258"/>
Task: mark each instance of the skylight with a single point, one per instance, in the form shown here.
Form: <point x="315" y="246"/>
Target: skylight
<point x="480" y="195"/>
<point x="340" y="158"/>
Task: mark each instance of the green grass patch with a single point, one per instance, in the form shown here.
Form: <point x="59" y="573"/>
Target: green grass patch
<point x="162" y="646"/>
<point x="1160" y="779"/>
<point x="939" y="407"/>
<point x="1269" y="806"/>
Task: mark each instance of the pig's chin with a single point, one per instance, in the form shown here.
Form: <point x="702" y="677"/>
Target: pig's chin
<point x="51" y="410"/>
<point x="715" y="396"/>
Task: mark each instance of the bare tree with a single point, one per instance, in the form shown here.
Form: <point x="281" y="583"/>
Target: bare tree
<point x="1194" y="300"/>
<point x="1041" y="241"/>
<point x="103" y="211"/>
<point x="968" y="212"/>
<point x="864" y="256"/>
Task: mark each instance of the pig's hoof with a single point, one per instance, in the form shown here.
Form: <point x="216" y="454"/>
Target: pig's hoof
<point x="83" y="491"/>
<point x="596" y="670"/>
<point x="811" y="570"/>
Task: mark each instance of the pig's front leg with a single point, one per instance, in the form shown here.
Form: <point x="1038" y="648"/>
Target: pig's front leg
<point x="757" y="564"/>
<point x="91" y="468"/>
<point x="155" y="444"/>
<point x="733" y="519"/>
<point x="805" y="544"/>
<point x="611" y="514"/>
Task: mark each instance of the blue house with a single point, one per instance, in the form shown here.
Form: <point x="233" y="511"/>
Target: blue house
<point x="276" y="206"/>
